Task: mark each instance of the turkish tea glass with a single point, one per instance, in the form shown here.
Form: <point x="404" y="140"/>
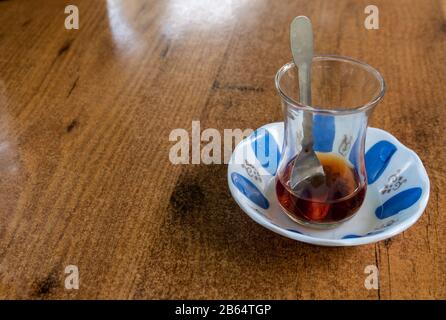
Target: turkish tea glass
<point x="344" y="94"/>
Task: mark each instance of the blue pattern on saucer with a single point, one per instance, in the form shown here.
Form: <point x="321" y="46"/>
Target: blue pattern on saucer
<point x="249" y="190"/>
<point x="351" y="236"/>
<point x="377" y="159"/>
<point x="399" y="202"/>
<point x="354" y="236"/>
<point x="295" y="231"/>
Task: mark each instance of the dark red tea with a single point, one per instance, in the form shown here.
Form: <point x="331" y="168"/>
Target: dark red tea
<point x="338" y="199"/>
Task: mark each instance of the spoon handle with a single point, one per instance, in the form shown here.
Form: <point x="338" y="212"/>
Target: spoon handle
<point x="305" y="84"/>
<point x="301" y="37"/>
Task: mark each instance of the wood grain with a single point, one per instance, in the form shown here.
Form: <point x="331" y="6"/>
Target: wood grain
<point x="85" y="177"/>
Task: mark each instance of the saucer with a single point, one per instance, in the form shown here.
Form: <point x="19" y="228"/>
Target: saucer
<point x="397" y="191"/>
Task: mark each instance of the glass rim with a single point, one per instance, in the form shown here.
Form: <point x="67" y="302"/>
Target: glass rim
<point x="336" y="110"/>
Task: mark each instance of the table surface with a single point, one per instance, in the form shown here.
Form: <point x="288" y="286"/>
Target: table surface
<point x="85" y="118"/>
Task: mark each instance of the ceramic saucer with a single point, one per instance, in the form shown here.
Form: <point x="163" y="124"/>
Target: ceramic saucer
<point x="397" y="191"/>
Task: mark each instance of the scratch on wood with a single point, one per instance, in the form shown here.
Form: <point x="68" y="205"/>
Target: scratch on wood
<point x="244" y="88"/>
<point x="26" y="22"/>
<point x="388" y="272"/>
<point x="66" y="46"/>
<point x="238" y="87"/>
<point x="377" y="265"/>
<point x="73" y="86"/>
<point x="215" y="85"/>
<point x="427" y="231"/>
<point x="165" y="50"/>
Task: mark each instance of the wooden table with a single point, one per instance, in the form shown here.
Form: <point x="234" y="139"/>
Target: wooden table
<point x="85" y="118"/>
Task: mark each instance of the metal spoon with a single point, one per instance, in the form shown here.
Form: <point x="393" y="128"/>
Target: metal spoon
<point x="307" y="166"/>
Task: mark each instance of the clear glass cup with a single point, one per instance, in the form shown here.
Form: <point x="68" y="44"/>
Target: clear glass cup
<point x="344" y="94"/>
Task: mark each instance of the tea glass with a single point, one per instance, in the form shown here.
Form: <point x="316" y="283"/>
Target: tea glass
<point x="345" y="92"/>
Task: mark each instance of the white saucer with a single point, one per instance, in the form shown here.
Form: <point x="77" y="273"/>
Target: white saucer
<point x="397" y="193"/>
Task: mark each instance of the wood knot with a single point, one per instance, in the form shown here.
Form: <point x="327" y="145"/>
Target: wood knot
<point x="186" y="197"/>
<point x="73" y="124"/>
